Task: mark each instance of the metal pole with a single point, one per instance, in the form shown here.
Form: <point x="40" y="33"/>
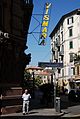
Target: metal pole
<point x="54" y="91"/>
<point x="33" y="84"/>
<point x="56" y="99"/>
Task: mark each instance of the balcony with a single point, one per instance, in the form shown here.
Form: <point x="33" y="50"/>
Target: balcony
<point x="61" y="53"/>
<point x="57" y="43"/>
<point x="53" y="50"/>
<point x="56" y="55"/>
<point x="77" y="58"/>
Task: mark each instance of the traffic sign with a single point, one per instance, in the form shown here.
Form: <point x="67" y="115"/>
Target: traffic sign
<point x="50" y="64"/>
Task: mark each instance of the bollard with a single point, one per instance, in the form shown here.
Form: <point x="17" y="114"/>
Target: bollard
<point x="58" y="104"/>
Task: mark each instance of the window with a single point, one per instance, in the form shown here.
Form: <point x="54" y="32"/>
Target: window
<point x="73" y="70"/>
<point x="70" y="20"/>
<point x="70" y="32"/>
<point x="70" y="71"/>
<point x="62" y="50"/>
<point x="77" y="70"/>
<point x="61" y="27"/>
<point x="62" y="36"/>
<point x="71" y="44"/>
<point x="62" y="72"/>
<point x="58" y="39"/>
<point x="71" y="57"/>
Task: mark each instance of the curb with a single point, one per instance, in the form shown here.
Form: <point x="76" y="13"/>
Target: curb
<point x="33" y="115"/>
<point x="66" y="115"/>
<point x="71" y="116"/>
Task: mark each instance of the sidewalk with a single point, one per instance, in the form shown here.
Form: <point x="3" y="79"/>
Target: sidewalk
<point x="37" y="109"/>
<point x="37" y="112"/>
<point x="68" y="110"/>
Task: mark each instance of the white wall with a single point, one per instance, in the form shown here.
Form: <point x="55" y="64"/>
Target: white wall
<point x="68" y="72"/>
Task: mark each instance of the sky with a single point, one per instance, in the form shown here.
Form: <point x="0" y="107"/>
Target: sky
<point x="58" y="9"/>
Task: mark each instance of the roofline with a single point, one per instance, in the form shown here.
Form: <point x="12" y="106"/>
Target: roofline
<point x="33" y="67"/>
<point x="61" y="20"/>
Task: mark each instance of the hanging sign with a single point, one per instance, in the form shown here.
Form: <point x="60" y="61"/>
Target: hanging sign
<point x="50" y="64"/>
<point x="45" y="24"/>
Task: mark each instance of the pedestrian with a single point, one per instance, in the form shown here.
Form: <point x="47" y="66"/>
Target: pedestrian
<point x="26" y="99"/>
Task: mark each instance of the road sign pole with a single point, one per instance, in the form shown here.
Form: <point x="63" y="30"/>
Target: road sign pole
<point x="54" y="66"/>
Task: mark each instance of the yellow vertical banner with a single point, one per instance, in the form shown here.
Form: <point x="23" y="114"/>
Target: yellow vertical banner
<point x="45" y="24"/>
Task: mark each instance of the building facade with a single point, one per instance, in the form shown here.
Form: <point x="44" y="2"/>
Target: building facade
<point x="43" y="74"/>
<point x="65" y="43"/>
<point x="15" y="19"/>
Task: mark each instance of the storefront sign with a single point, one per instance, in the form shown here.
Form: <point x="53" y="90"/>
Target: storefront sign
<point x="45" y="24"/>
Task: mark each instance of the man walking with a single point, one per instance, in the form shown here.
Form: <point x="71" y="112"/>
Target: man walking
<point x="26" y="96"/>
